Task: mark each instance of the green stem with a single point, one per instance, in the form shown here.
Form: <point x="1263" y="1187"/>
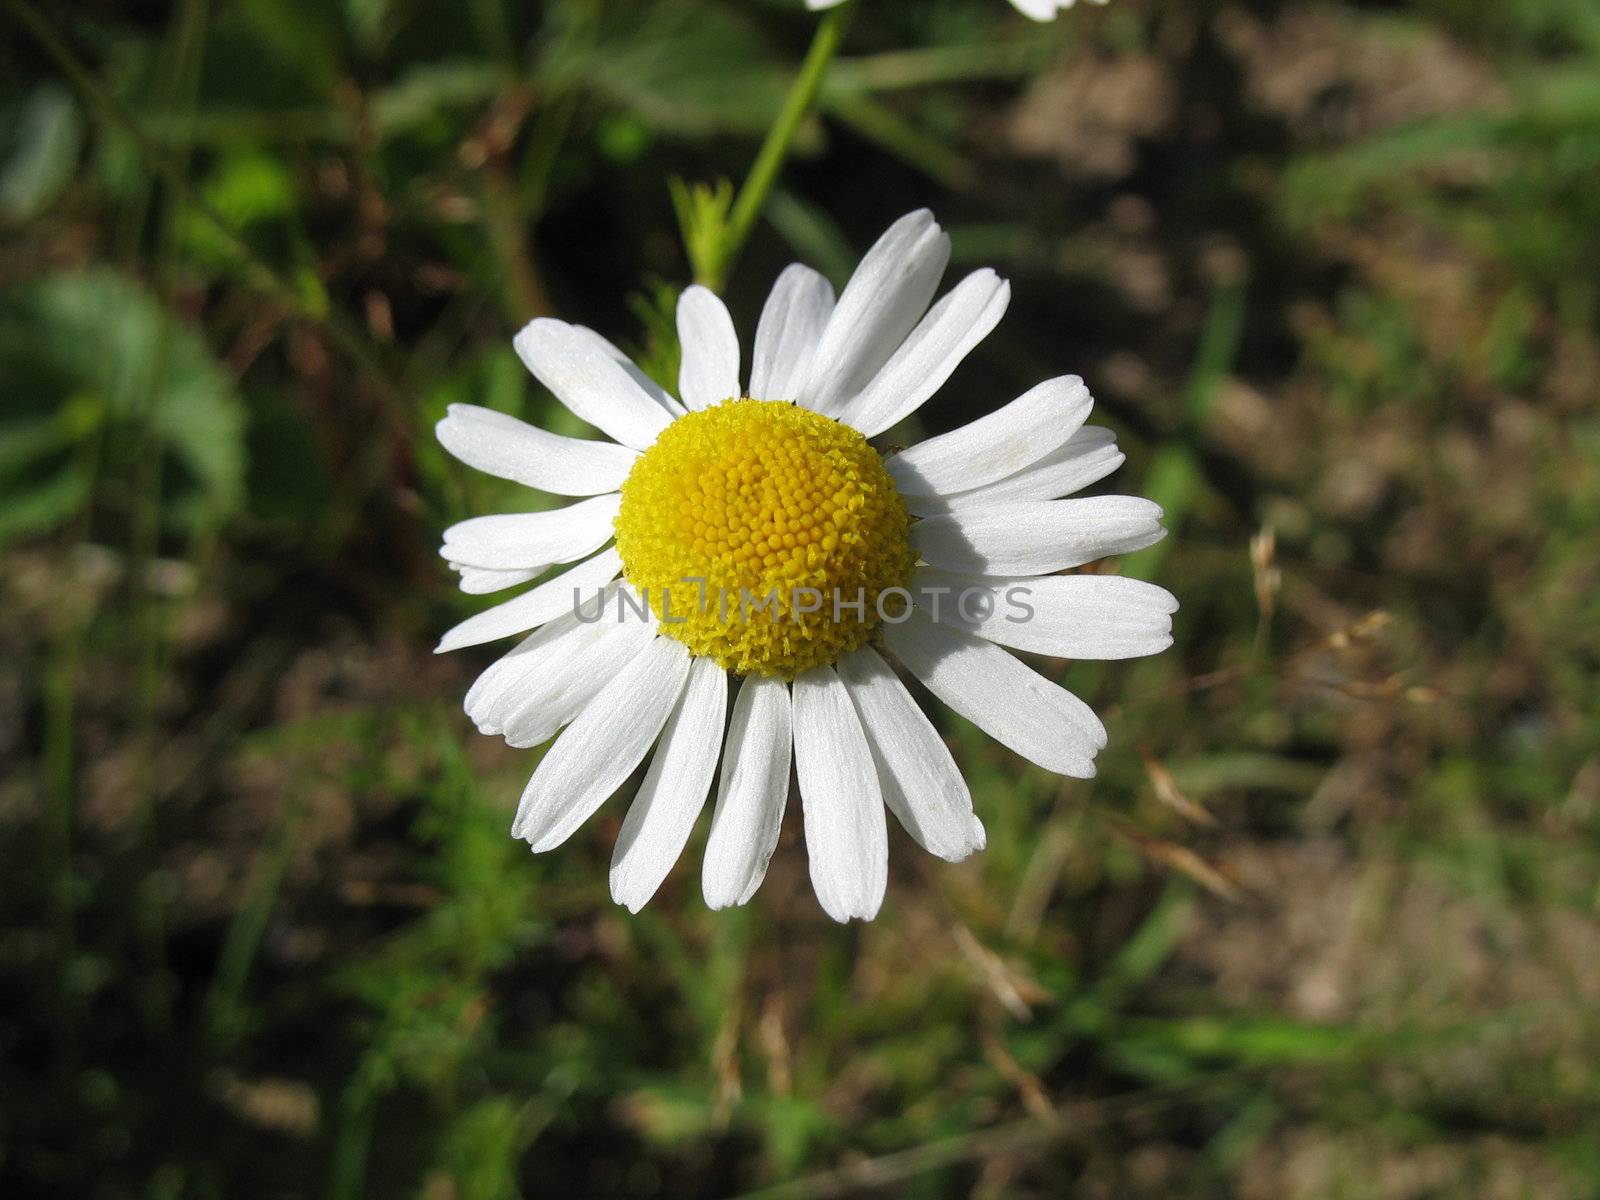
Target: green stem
<point x="775" y="149"/>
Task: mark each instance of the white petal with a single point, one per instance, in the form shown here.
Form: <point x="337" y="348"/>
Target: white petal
<point x="1064" y="616"/>
<point x="816" y="5"/>
<point x="511" y="449"/>
<point x="517" y="541"/>
<point x="674" y="789"/>
<point x="1040" y="10"/>
<point x="475" y="581"/>
<point x="1037" y="537"/>
<point x="997" y="445"/>
<point x="1009" y="701"/>
<point x="493" y="693"/>
<point x="602" y="747"/>
<point x="786" y="338"/>
<point x="931" y="353"/>
<point x="751" y="793"/>
<point x="612" y="351"/>
<point x="921" y="783"/>
<point x="1088" y="456"/>
<point x="551" y="599"/>
<point x="511" y="679"/>
<point x="552" y="696"/>
<point x="709" y="373"/>
<point x="883" y="302"/>
<point x="590" y="382"/>
<point x="846" y="839"/>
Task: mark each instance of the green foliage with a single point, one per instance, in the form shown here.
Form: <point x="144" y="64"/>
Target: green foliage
<point x="93" y="357"/>
<point x="1323" y="925"/>
<point x="46" y="139"/>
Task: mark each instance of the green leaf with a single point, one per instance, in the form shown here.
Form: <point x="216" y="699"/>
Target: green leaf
<point x="44" y="507"/>
<point x="99" y="343"/>
<point x="424" y="91"/>
<point x="45" y="152"/>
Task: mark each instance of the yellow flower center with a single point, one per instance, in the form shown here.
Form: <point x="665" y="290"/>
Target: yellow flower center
<point x="762" y="535"/>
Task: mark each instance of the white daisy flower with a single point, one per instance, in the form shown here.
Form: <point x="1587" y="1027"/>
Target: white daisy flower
<point x="1038" y="10"/>
<point x="937" y="557"/>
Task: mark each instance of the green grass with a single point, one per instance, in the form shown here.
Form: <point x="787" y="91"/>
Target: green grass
<point x="1327" y="924"/>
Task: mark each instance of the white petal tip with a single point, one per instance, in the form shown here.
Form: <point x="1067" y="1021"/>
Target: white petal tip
<point x="624" y="896"/>
<point x="858" y="908"/>
<point x="976" y="840"/>
<point x="960" y="852"/>
<point x="451" y="641"/>
<point x="718" y="900"/>
<point x="521" y="831"/>
<point x="727" y="893"/>
<point x="521" y="339"/>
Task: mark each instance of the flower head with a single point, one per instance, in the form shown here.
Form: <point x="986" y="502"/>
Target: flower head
<point x="765" y="498"/>
<point x="759" y="534"/>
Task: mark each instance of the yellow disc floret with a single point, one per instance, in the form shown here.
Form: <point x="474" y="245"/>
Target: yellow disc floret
<point x="762" y="534"/>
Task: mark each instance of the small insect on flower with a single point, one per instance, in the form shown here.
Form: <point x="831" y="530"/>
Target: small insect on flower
<point x="759" y="535"/>
<point x="1038" y="10"/>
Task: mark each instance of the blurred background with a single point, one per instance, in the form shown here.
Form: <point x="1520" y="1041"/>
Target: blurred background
<point x="1326" y="925"/>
